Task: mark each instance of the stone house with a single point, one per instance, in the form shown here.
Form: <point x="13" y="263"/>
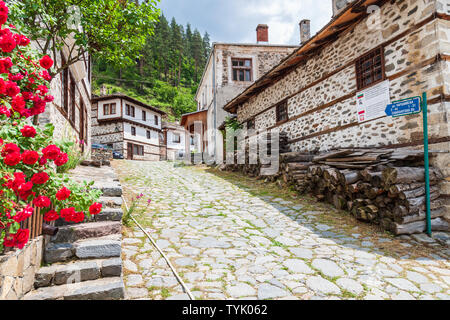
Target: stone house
<point x="128" y="126"/>
<point x="232" y="67"/>
<point x="377" y="50"/>
<point x="173" y="141"/>
<point x="70" y="112"/>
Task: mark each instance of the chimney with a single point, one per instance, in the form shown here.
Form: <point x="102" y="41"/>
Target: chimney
<point x="339" y="5"/>
<point x="262" y="33"/>
<point x="305" y="30"/>
<point x="103" y="90"/>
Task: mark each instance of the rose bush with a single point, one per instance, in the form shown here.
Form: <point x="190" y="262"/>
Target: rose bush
<point x="29" y="155"/>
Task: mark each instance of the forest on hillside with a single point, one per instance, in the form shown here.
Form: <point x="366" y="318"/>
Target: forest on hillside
<point x="168" y="72"/>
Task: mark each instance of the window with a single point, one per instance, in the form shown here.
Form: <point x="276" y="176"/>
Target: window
<point x="156" y="120"/>
<point x="130" y="111"/>
<point x="144" y="116"/>
<point x="282" y="112"/>
<point x="133" y="131"/>
<point x="370" y="68"/>
<point x="72" y="100"/>
<point x="251" y="124"/>
<point x="109" y="109"/>
<point x="149" y="134"/>
<point x="192" y="140"/>
<point x="242" y="69"/>
<point x="176" y="138"/>
<point x="138" y="150"/>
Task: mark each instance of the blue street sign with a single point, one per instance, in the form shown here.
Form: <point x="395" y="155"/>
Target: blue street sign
<point x="404" y="107"/>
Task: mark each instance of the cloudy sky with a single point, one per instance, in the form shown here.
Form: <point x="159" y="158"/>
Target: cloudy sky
<point x="236" y="20"/>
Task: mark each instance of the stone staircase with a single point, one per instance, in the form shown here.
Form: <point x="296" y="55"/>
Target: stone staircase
<point x="84" y="260"/>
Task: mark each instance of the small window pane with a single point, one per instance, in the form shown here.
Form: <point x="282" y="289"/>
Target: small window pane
<point x="247" y="76"/>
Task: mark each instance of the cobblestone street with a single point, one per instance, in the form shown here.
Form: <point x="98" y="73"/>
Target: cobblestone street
<point x="230" y="241"/>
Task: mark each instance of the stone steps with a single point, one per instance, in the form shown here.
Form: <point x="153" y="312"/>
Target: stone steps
<point x="100" y="289"/>
<point x="72" y="233"/>
<point x="92" y="248"/>
<point x="78" y="271"/>
<point x="111" y="202"/>
<point x="109" y="189"/>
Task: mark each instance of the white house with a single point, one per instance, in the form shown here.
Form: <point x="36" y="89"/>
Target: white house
<point x="129" y="126"/>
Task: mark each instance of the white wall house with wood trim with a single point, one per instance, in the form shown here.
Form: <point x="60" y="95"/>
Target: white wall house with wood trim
<point x="174" y="141"/>
<point x="232" y="67"/>
<point x="128" y="126"/>
<point x="397" y="49"/>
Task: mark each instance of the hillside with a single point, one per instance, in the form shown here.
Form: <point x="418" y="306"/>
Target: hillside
<point x="168" y="73"/>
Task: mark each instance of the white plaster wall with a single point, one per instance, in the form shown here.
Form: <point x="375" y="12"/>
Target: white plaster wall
<point x="141" y="134"/>
<point x="173" y="145"/>
<point x="138" y="115"/>
<point x="101" y="115"/>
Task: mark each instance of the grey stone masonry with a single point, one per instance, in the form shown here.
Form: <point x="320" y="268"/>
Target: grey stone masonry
<point x="85" y="258"/>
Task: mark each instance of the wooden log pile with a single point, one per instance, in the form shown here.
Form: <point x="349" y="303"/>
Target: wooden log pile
<point x="385" y="187"/>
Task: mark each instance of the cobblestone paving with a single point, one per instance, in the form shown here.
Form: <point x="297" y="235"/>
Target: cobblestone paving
<point x="229" y="244"/>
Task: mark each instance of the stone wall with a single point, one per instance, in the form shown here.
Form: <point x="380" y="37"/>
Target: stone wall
<point x="321" y="92"/>
<point x="18" y="269"/>
<point x="102" y="155"/>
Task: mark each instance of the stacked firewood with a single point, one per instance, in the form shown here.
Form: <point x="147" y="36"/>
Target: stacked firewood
<point x="385" y="187"/>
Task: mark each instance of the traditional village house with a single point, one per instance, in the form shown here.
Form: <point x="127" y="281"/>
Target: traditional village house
<point x="128" y="126"/>
<point x="70" y="111"/>
<point x="173" y="141"/>
<point x="231" y="67"/>
<point x="380" y="51"/>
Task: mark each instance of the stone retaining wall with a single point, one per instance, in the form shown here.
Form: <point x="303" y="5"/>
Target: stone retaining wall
<point x="18" y="269"/>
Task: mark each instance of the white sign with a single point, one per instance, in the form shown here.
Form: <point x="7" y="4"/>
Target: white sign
<point x="371" y="102"/>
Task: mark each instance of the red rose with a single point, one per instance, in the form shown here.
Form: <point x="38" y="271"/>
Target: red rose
<point x="21" y="238"/>
<point x="12" y="159"/>
<point x="30" y="157"/>
<point x="45" y="75"/>
<point x="67" y="214"/>
<point x="5" y="65"/>
<point x="42" y="202"/>
<point x="40" y="178"/>
<point x="49" y="98"/>
<point x="24" y="190"/>
<point x="9" y="241"/>
<point x="12" y="89"/>
<point x="18" y="104"/>
<point x="42" y="90"/>
<point x="51" y="216"/>
<point x="95" y="209"/>
<point x="10" y="148"/>
<point x="78" y="217"/>
<point x="42" y="161"/>
<point x="63" y="194"/>
<point x="4" y="110"/>
<point x="28" y="131"/>
<point x="62" y="159"/>
<point x="46" y="62"/>
<point x="51" y="152"/>
<point x="7" y="42"/>
<point x="23" y="215"/>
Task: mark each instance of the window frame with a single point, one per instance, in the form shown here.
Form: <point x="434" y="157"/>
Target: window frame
<point x="371" y="55"/>
<point x="242" y="68"/>
<point x="133" y="131"/>
<point x="130" y="110"/>
<point x="176" y="135"/>
<point x="138" y="150"/>
<point x="144" y="115"/>
<point x="278" y="113"/>
<point x="253" y="122"/>
<point x="156" y="120"/>
<point x="106" y="109"/>
<point x="149" y="134"/>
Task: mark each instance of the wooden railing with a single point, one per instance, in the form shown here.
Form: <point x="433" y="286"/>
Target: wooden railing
<point x="34" y="224"/>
